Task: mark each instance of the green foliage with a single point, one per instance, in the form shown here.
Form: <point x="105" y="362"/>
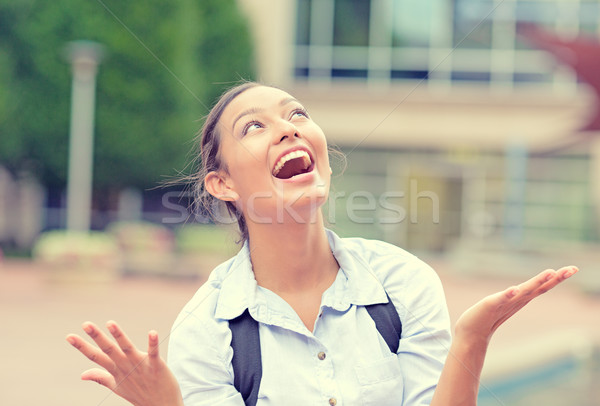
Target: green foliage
<point x="204" y="238"/>
<point x="165" y="62"/>
<point x="68" y="246"/>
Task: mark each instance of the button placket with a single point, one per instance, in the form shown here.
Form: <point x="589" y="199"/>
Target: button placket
<point x="324" y="373"/>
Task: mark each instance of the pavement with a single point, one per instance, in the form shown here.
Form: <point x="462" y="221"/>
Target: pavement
<point x="38" y="311"/>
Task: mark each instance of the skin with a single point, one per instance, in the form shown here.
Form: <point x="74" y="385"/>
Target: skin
<point x="141" y="378"/>
<point x="459" y="381"/>
<point x="290" y="253"/>
<point x="288" y="244"/>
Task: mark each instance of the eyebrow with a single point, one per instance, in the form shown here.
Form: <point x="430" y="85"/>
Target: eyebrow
<point x="252" y="110"/>
<point x="288" y="100"/>
<point x="255" y="110"/>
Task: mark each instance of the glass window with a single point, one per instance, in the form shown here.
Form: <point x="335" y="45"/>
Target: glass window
<point x="471" y="76"/>
<point x="412" y="39"/>
<point x="351" y="22"/>
<point x="303" y="24"/>
<point x="349" y="73"/>
<point x="536" y="12"/>
<point x="539" y="12"/>
<point x="473" y="23"/>
<point x="589" y="17"/>
<point x="410" y="74"/>
<point x="412" y="22"/>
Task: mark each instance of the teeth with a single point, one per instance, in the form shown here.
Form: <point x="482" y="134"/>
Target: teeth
<point x="288" y="157"/>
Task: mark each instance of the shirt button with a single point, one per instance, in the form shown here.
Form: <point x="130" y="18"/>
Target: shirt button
<point x="332" y="401"/>
<point x="321" y="356"/>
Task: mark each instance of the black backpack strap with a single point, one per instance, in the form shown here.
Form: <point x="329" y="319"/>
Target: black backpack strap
<point x="246" y="362"/>
<point x="245" y="341"/>
<point x="387" y="322"/>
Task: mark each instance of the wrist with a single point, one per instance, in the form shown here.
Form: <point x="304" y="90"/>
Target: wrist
<point x="470" y="342"/>
<point x="468" y="354"/>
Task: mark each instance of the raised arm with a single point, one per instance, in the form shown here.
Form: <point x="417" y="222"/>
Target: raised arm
<point x="459" y="382"/>
<point x="141" y="378"/>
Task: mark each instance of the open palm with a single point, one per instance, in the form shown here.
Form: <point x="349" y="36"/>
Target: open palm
<point x="141" y="378"/>
<point x="481" y="320"/>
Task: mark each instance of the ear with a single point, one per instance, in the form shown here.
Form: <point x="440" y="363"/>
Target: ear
<point x="220" y="186"/>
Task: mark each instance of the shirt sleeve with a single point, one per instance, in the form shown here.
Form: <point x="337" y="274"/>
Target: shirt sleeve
<point x="199" y="355"/>
<point x="426" y="336"/>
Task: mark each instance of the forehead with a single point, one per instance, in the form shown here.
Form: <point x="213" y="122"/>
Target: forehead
<point x="255" y="98"/>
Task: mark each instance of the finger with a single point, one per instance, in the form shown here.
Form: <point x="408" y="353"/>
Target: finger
<point x="501" y="298"/>
<point x="91" y="352"/>
<point x="554" y="278"/>
<point x="536" y="286"/>
<point x="153" y="347"/>
<point x="533" y="284"/>
<point x="125" y="344"/>
<point x="101" y="377"/>
<point x="518" y="296"/>
<point x="567" y="271"/>
<point x="107" y="345"/>
<point x="511" y="292"/>
<point x="508" y="302"/>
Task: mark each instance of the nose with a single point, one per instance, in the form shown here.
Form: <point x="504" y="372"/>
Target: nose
<point x="287" y="130"/>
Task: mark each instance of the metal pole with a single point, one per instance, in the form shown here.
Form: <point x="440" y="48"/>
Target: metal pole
<point x="84" y="57"/>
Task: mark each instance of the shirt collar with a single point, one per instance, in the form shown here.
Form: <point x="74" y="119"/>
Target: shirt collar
<point x="356" y="283"/>
<point x="238" y="289"/>
<point x="360" y="285"/>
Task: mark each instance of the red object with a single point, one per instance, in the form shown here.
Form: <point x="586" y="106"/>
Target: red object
<point x="582" y="54"/>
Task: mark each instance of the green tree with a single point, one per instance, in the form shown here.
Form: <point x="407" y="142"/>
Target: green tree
<point x="165" y="62"/>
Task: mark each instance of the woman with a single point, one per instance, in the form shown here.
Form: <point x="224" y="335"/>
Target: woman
<point x="307" y="288"/>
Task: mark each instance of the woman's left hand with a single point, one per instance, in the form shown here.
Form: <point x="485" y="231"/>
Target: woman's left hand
<point x="459" y="382"/>
<point x="478" y="323"/>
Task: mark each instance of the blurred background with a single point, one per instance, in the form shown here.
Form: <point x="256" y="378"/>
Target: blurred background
<point x="471" y="130"/>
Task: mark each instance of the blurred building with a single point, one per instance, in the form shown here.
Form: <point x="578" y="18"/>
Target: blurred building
<point x="21" y="209"/>
<point x="456" y="130"/>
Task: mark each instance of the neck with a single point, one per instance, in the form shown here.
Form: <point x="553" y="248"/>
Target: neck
<point x="290" y="257"/>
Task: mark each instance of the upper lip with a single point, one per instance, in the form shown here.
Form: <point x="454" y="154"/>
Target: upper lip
<point x="292" y="149"/>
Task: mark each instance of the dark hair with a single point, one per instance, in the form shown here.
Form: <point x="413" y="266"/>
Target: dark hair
<point x="208" y="159"/>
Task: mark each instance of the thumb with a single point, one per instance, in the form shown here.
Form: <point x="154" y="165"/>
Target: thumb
<point x="99" y="376"/>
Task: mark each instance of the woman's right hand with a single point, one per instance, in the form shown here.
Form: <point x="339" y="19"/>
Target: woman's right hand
<point x="143" y="379"/>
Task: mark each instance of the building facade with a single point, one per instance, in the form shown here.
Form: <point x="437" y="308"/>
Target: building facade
<point x="456" y="129"/>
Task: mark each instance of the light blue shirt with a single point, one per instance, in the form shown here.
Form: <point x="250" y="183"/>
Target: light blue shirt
<point x="358" y="367"/>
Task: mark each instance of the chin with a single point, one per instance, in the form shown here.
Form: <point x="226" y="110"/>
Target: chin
<point x="303" y="206"/>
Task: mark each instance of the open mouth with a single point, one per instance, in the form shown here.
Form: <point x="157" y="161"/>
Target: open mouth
<point x="293" y="164"/>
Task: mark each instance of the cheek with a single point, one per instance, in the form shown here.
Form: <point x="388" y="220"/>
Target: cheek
<point x="320" y="145"/>
<point x="318" y="136"/>
<point x="248" y="171"/>
<point x="243" y="158"/>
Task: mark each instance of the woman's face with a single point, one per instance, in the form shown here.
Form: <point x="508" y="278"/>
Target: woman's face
<point x="276" y="157"/>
